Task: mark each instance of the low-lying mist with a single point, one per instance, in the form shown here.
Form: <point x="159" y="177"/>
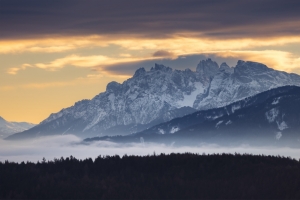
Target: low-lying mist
<point x="67" y="145"/>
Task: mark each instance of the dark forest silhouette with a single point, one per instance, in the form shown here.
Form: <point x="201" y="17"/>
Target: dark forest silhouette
<point x="174" y="176"/>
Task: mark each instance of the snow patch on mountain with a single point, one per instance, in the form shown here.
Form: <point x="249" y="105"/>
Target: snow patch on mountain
<point x="282" y="125"/>
<point x="278" y="135"/>
<point x="276" y="101"/>
<point x="101" y="114"/>
<point x="235" y="107"/>
<point x="218" y="124"/>
<point x="272" y="114"/>
<point x="161" y="131"/>
<point x="188" y="100"/>
<point x="174" y="129"/>
<point x="228" y="122"/>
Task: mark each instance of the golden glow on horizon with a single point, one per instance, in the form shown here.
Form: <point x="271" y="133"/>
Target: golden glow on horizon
<point x="177" y="42"/>
<point x="31" y="90"/>
<point x="34" y="102"/>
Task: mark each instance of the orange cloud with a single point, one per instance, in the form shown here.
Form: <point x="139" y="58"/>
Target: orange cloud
<point x="174" y="46"/>
<point x="50" y="45"/>
<point x="77" y="61"/>
<point x="181" y="43"/>
<point x="279" y="60"/>
<point x="14" y="70"/>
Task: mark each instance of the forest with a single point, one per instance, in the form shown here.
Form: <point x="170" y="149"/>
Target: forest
<point x="163" y="176"/>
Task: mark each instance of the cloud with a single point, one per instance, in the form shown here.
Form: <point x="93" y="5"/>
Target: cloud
<point x="173" y="47"/>
<point x="14" y="70"/>
<point x="67" y="145"/>
<point x="52" y="44"/>
<point x="180" y="45"/>
<point x="155" y="19"/>
<point x="125" y="55"/>
<point x="97" y="62"/>
<point x="74" y="60"/>
<point x="163" y="54"/>
<point x="279" y="60"/>
<point x="126" y="65"/>
<point x="170" y="47"/>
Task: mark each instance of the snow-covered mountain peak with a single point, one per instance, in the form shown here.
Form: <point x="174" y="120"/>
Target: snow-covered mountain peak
<point x="207" y="68"/>
<point x="8" y="128"/>
<point x="160" y="94"/>
<point x="250" y="68"/>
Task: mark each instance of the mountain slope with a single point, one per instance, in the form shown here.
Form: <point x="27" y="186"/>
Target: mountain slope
<point x="9" y="128"/>
<point x="246" y="79"/>
<point x="159" y="95"/>
<point x="269" y="118"/>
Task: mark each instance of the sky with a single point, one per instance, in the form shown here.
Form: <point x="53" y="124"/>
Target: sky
<point x="54" y="53"/>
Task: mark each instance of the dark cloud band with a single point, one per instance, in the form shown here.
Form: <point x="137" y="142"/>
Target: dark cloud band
<point x="155" y="18"/>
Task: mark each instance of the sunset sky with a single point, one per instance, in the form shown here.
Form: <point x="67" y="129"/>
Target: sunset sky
<point x="54" y="53"/>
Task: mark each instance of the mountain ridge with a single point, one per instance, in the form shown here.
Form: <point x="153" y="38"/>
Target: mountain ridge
<point x="269" y="118"/>
<point x="153" y="96"/>
<point x="8" y="128"/>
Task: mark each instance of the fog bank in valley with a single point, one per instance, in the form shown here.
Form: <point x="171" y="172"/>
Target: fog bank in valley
<point x="67" y="145"/>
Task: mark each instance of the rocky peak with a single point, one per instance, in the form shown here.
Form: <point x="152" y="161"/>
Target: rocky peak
<point x="159" y="67"/>
<point x="250" y="68"/>
<point x="139" y="72"/>
<point x="207" y="68"/>
<point x="112" y="86"/>
<point x="225" y="68"/>
<point x="240" y="62"/>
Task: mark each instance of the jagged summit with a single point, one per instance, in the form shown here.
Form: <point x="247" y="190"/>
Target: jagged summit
<point x="159" y="67"/>
<point x="224" y="66"/>
<point x="139" y="72"/>
<point x="207" y="68"/>
<point x="159" y="95"/>
<point x="240" y="62"/>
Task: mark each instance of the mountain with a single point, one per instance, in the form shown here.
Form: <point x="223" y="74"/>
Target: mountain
<point x="9" y="128"/>
<point x="268" y="118"/>
<point x="159" y="95"/>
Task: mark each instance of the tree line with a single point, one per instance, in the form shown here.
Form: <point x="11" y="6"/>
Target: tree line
<point x="173" y="176"/>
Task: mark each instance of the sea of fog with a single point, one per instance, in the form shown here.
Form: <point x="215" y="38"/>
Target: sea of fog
<point x="67" y="145"/>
